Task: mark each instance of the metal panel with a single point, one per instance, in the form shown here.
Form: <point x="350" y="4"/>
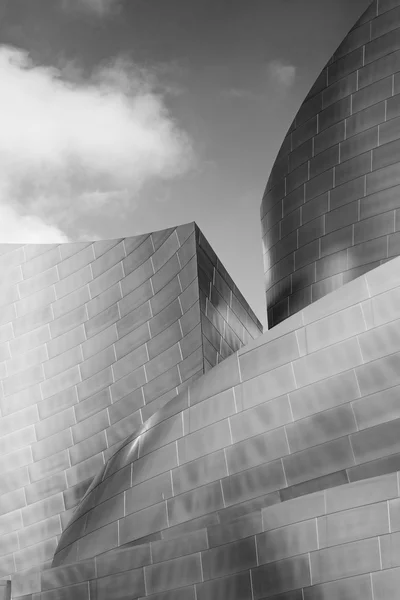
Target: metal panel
<point x="316" y="461"/>
<point x="345" y="560"/>
<point x="166" y="575"/>
<point x="281" y="576"/>
<point x="92" y="356"/>
<point x="355" y="524"/>
<point x="354" y="587"/>
<point x="284" y="542"/>
<point x="234" y="587"/>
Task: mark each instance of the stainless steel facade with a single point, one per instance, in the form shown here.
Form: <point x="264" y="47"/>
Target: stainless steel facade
<point x="95" y="338"/>
<point x="273" y="474"/>
<point x="331" y="207"/>
<point x="310" y="405"/>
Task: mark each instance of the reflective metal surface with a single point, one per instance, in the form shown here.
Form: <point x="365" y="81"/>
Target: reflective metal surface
<point x="264" y="460"/>
<point x="337" y="543"/>
<point x="329" y="212"/>
<point x="95" y="338"/>
<point x="276" y="473"/>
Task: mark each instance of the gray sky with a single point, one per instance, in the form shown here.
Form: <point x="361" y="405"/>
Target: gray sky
<point x="125" y="116"/>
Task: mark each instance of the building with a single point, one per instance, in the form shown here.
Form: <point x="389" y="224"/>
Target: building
<point x="227" y="467"/>
<point x="329" y="210"/>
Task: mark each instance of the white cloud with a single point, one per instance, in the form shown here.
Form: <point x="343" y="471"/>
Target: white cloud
<point x="282" y="73"/>
<point x="27" y="229"/>
<point x="98" y="7"/>
<point x="68" y="148"/>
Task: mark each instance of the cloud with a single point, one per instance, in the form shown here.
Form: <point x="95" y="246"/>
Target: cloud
<point x="100" y="8"/>
<point x="281" y="73"/>
<point x="237" y="92"/>
<point x="71" y="147"/>
<point x="275" y="77"/>
<point x="27" y="229"/>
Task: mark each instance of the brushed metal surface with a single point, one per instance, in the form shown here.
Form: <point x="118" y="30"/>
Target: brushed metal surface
<point x="95" y="338"/>
<point x="274" y="475"/>
<point x="343" y="142"/>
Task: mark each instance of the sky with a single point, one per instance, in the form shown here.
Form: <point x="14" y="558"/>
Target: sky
<point x="119" y="117"/>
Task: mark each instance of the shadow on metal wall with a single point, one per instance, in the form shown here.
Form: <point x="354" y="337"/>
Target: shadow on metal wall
<point x="5" y="590"/>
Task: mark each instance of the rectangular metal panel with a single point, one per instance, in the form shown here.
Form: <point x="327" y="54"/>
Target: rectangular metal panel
<point x="329" y="137"/>
<point x="241" y="527"/>
<point x="293" y="511"/>
<point x="190" y="543"/>
<point x="361" y="493"/>
<point x="195" y="503"/>
<point x="354" y="587"/>
<point x="116" y="586"/>
<point x="234" y="587"/>
<point x="124" y="560"/>
<point x="199" y="472"/>
<point x="381" y="46"/>
<point x="327" y="362"/>
<point x="341" y="325"/>
<point x="257" y="450"/>
<point x="375" y="376"/>
<point x="281" y="576"/>
<point x="254" y="482"/>
<point x="354" y="524"/>
<point x="173" y="573"/>
<point x="262" y="418"/>
<point x="345" y="560"/>
<point x="228" y="559"/>
<point x="320" y="428"/>
<point x="319" y="460"/>
<point x="311" y="230"/>
<point x="284" y="542"/>
<point x="376" y="442"/>
<point x="386" y="584"/>
<point x="141" y="523"/>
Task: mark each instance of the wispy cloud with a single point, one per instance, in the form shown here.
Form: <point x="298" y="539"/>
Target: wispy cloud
<point x="100" y="8"/>
<point x="281" y="73"/>
<point x="71" y="147"/>
<point x="275" y="77"/>
<point x="237" y="92"/>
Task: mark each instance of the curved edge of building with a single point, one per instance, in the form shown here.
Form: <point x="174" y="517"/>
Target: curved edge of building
<point x="330" y="211"/>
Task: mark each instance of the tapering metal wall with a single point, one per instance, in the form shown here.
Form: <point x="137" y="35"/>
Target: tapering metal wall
<point x="331" y="207"/>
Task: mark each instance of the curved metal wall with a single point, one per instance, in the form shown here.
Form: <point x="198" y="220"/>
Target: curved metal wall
<point x="96" y="337"/>
<point x="337" y="543"/>
<point x="331" y="207"/>
<point x="309" y="406"/>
